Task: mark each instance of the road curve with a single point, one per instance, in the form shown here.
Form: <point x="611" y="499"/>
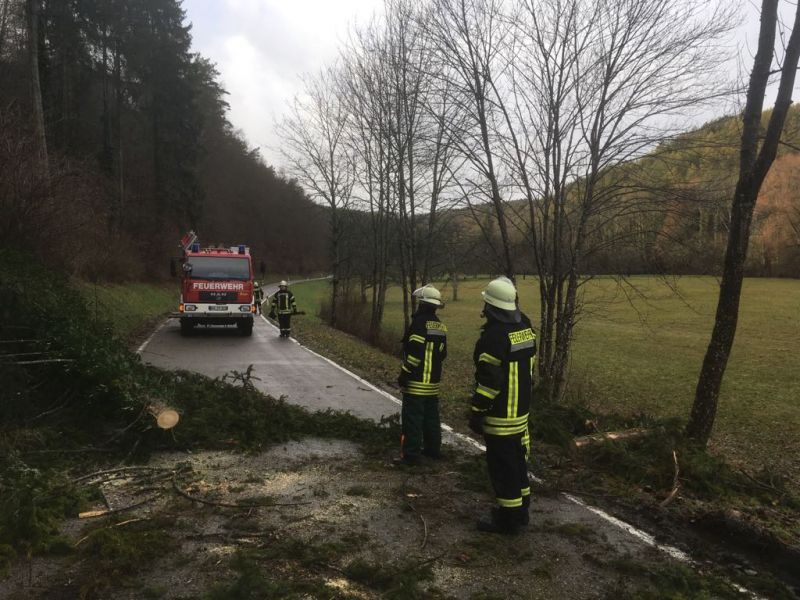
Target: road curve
<point x="284" y="367"/>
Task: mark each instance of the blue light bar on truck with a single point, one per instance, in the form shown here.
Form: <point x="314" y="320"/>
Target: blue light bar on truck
<point x="196" y="247"/>
<point x="241" y="248"/>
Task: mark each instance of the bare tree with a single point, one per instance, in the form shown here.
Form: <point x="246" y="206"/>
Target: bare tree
<point x="362" y="87"/>
<point x="4" y="17"/>
<point x="757" y="154"/>
<point x="317" y="154"/>
<point x="471" y="36"/>
<point x="596" y="84"/>
<point x="399" y="128"/>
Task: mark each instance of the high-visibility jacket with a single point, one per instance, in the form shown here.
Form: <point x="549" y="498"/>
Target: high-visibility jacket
<point x="258" y="294"/>
<point x="283" y="302"/>
<point x="424" y="351"/>
<point x="504" y="358"/>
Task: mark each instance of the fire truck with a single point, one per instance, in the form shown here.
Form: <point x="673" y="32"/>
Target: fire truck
<point x="216" y="286"/>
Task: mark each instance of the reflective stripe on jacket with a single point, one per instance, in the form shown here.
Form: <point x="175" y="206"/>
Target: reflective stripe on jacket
<point x="504" y="358"/>
<point x="424" y="350"/>
<point x="283" y="302"/>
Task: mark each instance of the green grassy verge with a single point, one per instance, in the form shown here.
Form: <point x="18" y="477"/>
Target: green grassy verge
<point x="347" y="350"/>
<point x="130" y="308"/>
<point x="634" y="357"/>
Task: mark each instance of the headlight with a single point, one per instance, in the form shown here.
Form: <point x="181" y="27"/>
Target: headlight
<point x="189" y="307"/>
<point x="244" y="308"/>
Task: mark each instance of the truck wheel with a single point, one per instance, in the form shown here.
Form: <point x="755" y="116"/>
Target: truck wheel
<point x="187" y="327"/>
<point x="245" y="327"/>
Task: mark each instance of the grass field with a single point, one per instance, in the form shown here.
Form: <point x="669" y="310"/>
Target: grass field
<point x="639" y="356"/>
<point x="131" y="308"/>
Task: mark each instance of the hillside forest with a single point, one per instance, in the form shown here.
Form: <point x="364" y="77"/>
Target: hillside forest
<point x="114" y="141"/>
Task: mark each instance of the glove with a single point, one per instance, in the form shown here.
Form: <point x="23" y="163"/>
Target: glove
<point x="402" y="379"/>
<point x="476" y="422"/>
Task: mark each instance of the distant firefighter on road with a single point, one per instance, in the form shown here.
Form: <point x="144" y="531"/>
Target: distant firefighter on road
<point x="283" y="307"/>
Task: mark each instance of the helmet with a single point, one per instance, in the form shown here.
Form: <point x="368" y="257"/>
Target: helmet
<point x="429" y="294"/>
<point x="501" y="293"/>
<point x="256" y="285"/>
<point x="283" y="283"/>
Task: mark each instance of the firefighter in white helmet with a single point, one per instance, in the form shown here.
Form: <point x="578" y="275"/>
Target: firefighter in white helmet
<point x="424" y="351"/>
<point x="504" y="359"/>
<point x="283" y="307"/>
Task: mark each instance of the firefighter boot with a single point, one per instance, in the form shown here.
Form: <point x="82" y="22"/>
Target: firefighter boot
<point x="503" y="521"/>
<point x="524" y="512"/>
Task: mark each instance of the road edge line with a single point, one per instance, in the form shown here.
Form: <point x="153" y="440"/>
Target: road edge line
<point x="144" y="344"/>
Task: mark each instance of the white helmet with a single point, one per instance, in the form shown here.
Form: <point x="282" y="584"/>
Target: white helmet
<point x="429" y="294"/>
<point x="501" y="293"/>
<point x="283" y="283"/>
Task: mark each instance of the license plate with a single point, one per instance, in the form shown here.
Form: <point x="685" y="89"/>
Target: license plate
<point x="212" y="307"/>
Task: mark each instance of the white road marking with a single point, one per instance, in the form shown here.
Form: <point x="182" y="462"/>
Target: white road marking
<point x="141" y="348"/>
<point x="371" y="386"/>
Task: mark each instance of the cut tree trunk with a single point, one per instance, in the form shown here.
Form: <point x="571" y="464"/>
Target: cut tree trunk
<point x="166" y="417"/>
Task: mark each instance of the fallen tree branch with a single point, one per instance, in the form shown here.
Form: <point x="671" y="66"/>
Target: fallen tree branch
<point x="121" y="470"/>
<point x="676" y="484"/>
<point x="416" y="512"/>
<point x="600" y="438"/>
<point x="39" y="362"/>
<point x="188" y="496"/>
<point x="91" y="514"/>
<point x="763" y="485"/>
<point x="91" y="533"/>
<point x="56" y="407"/>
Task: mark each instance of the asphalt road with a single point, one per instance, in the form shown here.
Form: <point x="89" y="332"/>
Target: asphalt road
<point x="283" y="366"/>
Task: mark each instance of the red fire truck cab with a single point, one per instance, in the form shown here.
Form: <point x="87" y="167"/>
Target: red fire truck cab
<point x="216" y="288"/>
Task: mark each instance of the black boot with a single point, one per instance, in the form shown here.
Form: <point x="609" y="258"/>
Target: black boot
<point x="523" y="515"/>
<point x="407" y="461"/>
<point x="503" y="521"/>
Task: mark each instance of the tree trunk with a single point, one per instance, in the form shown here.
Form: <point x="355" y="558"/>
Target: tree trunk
<point x="118" y="133"/>
<point x="3" y="24"/>
<point x="36" y="90"/>
<point x="753" y="168"/>
<point x="107" y="161"/>
<point x="336" y="266"/>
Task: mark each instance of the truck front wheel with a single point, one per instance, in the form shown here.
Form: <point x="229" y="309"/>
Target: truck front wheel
<point x="245" y="327"/>
<point x="186" y="327"/>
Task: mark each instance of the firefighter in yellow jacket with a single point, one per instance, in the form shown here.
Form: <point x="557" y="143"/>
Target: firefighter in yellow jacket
<point x="424" y="351"/>
<point x="504" y="359"/>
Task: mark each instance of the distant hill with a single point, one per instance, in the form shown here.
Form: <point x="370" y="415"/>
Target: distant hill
<point x="704" y="165"/>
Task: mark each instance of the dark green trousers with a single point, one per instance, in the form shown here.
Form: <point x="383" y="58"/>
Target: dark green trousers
<point x="422" y="430"/>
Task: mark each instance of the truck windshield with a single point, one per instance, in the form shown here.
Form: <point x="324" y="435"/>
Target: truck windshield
<point x="219" y="267"/>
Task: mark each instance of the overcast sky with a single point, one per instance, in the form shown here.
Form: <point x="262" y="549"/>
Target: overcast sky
<point x="262" y="47"/>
